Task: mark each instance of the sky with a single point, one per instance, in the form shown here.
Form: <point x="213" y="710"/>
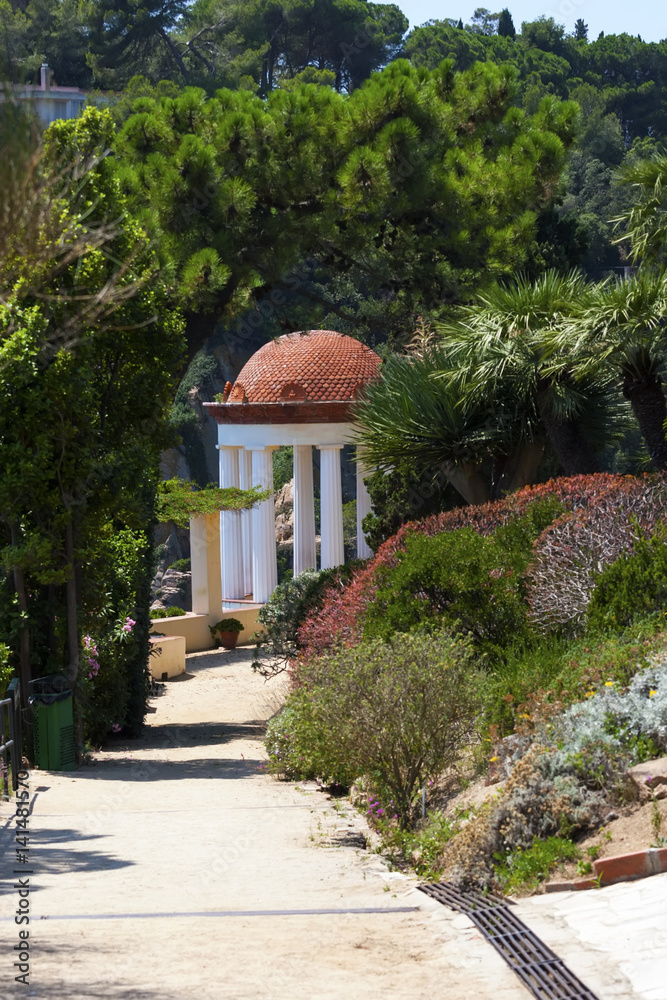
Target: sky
<point x="647" y="18"/>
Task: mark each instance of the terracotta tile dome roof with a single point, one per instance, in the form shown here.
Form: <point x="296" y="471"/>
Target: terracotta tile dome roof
<point x="317" y="366"/>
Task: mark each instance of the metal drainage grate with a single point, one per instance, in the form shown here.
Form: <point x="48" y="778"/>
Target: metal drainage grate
<point x="544" y="974"/>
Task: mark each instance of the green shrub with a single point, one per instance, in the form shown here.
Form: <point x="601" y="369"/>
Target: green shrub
<point x="173" y="612"/>
<point x="297" y="744"/>
<point x="400" y="496"/>
<point x="558" y="672"/>
<point x="632" y="587"/>
<point x="181" y="565"/>
<point x="226" y="625"/>
<point x="523" y="870"/>
<point x="460" y="580"/>
<point x="6" y="670"/>
<point x="397" y="712"/>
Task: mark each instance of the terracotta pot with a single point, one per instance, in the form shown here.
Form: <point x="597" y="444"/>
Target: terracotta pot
<point x="228" y="639"/>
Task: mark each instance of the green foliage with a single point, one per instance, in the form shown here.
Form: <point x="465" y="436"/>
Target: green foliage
<point x="461" y="579"/>
<point x="362" y="175"/>
<point x="181" y="565"/>
<point x="632" y="587"/>
<point x="395" y="712"/>
<point x="226" y="625"/>
<point x="531" y="681"/>
<point x="422" y="846"/>
<point x="283" y="466"/>
<point x="84" y="323"/>
<point x="172" y="612"/>
<point x="281" y="616"/>
<point x="524" y="870"/>
<point x="6" y="669"/>
<point x="179" y="499"/>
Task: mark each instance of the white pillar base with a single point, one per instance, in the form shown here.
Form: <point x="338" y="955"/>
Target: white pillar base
<point x="331" y="506"/>
<point x="305" y="556"/>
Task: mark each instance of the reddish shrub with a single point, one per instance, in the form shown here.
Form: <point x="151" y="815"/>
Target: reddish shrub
<point x="340" y="618"/>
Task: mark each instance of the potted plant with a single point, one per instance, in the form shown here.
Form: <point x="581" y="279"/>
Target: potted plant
<point x="226" y="632"/>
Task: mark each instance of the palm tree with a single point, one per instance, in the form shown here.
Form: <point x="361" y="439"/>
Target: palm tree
<point x="623" y="327"/>
<point x="509" y="345"/>
<point x="411" y="417"/>
<point x="645" y="224"/>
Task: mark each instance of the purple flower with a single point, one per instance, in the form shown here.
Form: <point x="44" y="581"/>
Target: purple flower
<point x="380" y="812"/>
<point x="115" y="727"/>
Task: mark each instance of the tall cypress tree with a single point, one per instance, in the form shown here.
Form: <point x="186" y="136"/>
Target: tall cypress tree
<point x="506" y="24"/>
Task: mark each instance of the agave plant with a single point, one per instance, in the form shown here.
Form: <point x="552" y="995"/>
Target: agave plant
<point x="510" y="346"/>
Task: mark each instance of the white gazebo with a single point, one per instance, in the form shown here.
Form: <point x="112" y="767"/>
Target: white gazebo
<point x="296" y="390"/>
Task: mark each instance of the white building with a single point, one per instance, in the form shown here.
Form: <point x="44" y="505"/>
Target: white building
<point x="51" y="102"/>
<point x="296" y="390"/>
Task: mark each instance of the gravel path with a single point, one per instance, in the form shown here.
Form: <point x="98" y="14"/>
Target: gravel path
<point x="175" y="866"/>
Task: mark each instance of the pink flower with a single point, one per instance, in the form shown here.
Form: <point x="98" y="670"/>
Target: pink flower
<point x="115" y="727"/>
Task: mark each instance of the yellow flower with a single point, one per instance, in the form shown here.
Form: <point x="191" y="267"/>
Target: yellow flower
<point x="651" y="693"/>
<point x="609" y="684"/>
<point x="494" y="758"/>
<point x="590" y="694"/>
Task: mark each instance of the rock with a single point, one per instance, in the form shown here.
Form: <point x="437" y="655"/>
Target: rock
<point x="650" y="778"/>
<point x="175" y="589"/>
<point x="284" y="508"/>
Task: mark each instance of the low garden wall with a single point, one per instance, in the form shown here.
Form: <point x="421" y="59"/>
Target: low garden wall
<point x="195" y="627"/>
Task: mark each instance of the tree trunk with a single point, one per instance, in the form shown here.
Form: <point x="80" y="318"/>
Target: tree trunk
<point x="467" y="479"/>
<point x="175" y="53"/>
<point x="517" y="470"/>
<point x="72" y="671"/>
<point x="568" y="440"/>
<point x="24" y="642"/>
<point x="647" y="399"/>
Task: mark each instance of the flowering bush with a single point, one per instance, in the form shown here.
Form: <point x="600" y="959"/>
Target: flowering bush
<point x="613" y="726"/>
<point x="103" y="695"/>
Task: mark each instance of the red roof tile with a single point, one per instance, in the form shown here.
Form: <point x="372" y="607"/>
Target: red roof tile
<point x="319" y="365"/>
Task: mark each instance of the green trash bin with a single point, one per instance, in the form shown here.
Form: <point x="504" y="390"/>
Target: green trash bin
<point x="53" y="726"/>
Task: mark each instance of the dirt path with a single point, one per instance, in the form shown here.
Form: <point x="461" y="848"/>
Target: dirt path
<point x="176" y="867"/>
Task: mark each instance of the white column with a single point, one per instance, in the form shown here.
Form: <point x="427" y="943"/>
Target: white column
<point x="199" y="564"/>
<point x="205" y="564"/>
<point x="331" y="506"/>
<point x="245" y="477"/>
<point x="364" y="550"/>
<point x="305" y="556"/>
<point x="231" y="541"/>
<point x="264" y="562"/>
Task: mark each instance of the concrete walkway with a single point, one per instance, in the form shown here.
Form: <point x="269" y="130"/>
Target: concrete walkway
<point x="175" y="866"/>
